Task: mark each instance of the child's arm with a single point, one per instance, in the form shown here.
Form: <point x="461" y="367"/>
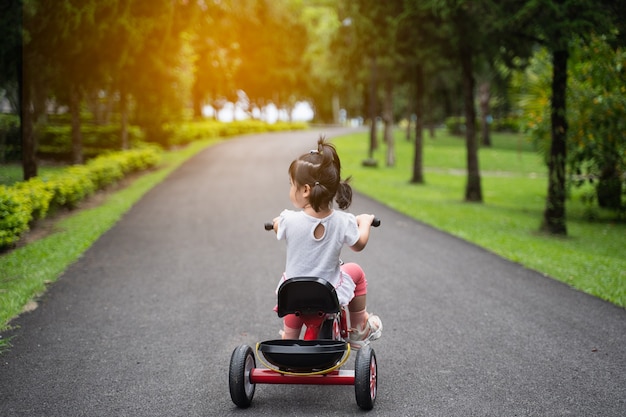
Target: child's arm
<point x="364" y="222"/>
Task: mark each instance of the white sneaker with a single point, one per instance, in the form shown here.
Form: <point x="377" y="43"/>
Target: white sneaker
<point x="373" y="330"/>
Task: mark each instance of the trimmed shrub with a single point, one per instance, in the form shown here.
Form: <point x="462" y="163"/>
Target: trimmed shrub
<point x="38" y="195"/>
<point x="71" y="186"/>
<point x="14" y="216"/>
<point x="55" y="141"/>
<point x="10" y="139"/>
<point x="31" y="200"/>
<point x="104" y="171"/>
<point x="185" y="133"/>
<point x="456" y="125"/>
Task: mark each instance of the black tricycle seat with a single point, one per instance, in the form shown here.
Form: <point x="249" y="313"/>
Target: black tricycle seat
<point x="307" y="296"/>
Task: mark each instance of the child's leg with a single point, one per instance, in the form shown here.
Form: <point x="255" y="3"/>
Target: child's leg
<point x="292" y="326"/>
<point x="364" y="327"/>
<point x="357" y="307"/>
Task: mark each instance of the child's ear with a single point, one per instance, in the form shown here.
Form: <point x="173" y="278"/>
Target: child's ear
<point x="307" y="190"/>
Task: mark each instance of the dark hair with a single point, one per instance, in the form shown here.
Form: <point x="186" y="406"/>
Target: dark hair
<point x="321" y="170"/>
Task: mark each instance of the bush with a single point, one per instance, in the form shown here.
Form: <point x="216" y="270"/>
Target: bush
<point x="456" y="125"/>
<point x="31" y="200"/>
<point x="71" y="186"/>
<point x="104" y="171"/>
<point x="15" y="214"/>
<point x="38" y="195"/>
<point x="55" y="141"/>
<point x="185" y="133"/>
<point x="506" y="124"/>
<point x="10" y="140"/>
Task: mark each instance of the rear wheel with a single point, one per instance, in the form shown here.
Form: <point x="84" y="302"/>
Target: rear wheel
<point x="241" y="364"/>
<point x="365" y="377"/>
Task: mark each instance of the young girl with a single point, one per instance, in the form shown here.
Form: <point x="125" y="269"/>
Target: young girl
<point x="316" y="233"/>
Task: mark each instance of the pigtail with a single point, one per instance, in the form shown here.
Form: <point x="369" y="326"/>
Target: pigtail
<point x="320" y="169"/>
<point x="344" y="194"/>
<point x="319" y="195"/>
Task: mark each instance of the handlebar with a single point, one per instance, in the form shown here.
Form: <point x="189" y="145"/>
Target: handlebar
<point x="270" y="225"/>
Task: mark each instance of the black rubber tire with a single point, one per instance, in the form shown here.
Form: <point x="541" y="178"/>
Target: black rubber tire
<point x="365" y="378"/>
<point x="241" y="363"/>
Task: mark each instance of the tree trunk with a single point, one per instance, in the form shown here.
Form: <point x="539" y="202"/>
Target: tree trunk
<point x="77" y="140"/>
<point x="336" y="108"/>
<point x="372" y="108"/>
<point x="407" y="133"/>
<point x="197" y="101"/>
<point x="484" y="96"/>
<point x="388" y="121"/>
<point x="418" y="156"/>
<point x="124" y="121"/>
<point x="473" y="191"/>
<point x="29" y="144"/>
<point x="554" y="213"/>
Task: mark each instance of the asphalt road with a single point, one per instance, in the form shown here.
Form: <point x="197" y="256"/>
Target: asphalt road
<point x="145" y="322"/>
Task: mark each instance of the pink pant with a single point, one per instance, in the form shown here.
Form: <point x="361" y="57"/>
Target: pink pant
<point x="357" y="275"/>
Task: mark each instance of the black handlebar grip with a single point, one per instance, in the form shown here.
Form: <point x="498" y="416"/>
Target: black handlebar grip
<point x="270" y="225"/>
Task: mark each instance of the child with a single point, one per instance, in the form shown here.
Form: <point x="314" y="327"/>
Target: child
<point x="316" y="234"/>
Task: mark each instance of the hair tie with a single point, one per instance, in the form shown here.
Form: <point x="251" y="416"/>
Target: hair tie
<point x="316" y="183"/>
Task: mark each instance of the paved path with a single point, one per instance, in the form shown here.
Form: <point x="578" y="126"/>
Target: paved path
<point x="145" y="322"/>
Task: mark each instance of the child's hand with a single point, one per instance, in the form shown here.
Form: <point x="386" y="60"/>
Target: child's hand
<point x="364" y="222"/>
<point x="364" y="219"/>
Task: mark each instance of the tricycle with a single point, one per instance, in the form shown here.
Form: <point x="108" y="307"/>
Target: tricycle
<point x="314" y="360"/>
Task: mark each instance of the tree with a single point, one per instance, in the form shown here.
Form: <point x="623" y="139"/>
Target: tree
<point x="466" y="38"/>
<point x="36" y="75"/>
<point x="11" y="71"/>
<point x="271" y="67"/>
<point x="554" y="24"/>
<point x="596" y="146"/>
<point x="597" y="117"/>
<point x="325" y="85"/>
<point x="68" y="35"/>
<point x="364" y="19"/>
<point x="216" y="58"/>
<point x="419" y="45"/>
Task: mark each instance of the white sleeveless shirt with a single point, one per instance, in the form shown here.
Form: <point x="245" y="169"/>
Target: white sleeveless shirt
<point x="308" y="256"/>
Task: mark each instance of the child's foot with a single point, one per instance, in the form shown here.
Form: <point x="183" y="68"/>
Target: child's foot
<point x="372" y="331"/>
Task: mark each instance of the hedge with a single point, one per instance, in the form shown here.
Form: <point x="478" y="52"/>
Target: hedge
<point x="456" y="125"/>
<point x="185" y="133"/>
<point x="54" y="142"/>
<point x="10" y="139"/>
<point x="28" y="201"/>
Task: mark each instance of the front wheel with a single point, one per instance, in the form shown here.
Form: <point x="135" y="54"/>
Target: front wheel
<point x="241" y="364"/>
<point x="365" y="377"/>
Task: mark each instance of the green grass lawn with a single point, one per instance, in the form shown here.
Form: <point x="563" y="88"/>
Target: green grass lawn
<point x="514" y="183"/>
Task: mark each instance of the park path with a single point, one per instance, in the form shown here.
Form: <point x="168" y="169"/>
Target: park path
<point x="145" y="322"/>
